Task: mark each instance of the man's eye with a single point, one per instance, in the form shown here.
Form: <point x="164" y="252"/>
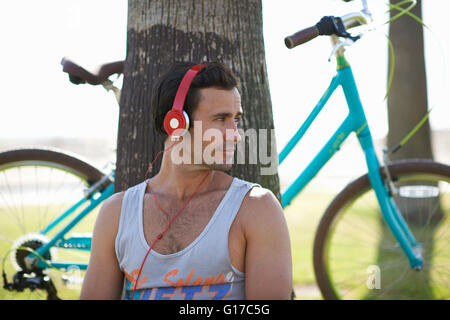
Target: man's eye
<point x="236" y="120"/>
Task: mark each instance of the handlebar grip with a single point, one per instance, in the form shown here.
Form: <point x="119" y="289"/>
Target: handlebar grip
<point x="301" y="37"/>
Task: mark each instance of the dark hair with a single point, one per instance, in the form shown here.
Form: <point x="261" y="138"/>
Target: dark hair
<point x="216" y="74"/>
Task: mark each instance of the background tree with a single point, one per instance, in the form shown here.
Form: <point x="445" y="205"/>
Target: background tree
<point x="407" y="100"/>
<point x="164" y="31"/>
<point x="407" y="104"/>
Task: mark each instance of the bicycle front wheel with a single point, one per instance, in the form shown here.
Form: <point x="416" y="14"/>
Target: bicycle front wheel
<point x="37" y="186"/>
<point x="357" y="257"/>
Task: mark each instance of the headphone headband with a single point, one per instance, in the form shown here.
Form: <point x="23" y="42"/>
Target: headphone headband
<point x="176" y="122"/>
<point x="184" y="86"/>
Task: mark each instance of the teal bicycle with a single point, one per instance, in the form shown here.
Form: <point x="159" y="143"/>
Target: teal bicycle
<point x="44" y="195"/>
<point x="385" y="235"/>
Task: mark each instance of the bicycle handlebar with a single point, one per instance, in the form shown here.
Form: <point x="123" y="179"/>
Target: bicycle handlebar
<point x="330" y="25"/>
<point x="301" y="37"/>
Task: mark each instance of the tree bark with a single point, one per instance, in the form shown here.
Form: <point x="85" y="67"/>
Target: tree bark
<point x="407" y="100"/>
<point x="164" y="31"/>
<point x="407" y="104"/>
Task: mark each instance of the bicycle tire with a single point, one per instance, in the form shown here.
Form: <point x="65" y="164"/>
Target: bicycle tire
<point x="335" y="244"/>
<point x="70" y="161"/>
<point x="29" y="201"/>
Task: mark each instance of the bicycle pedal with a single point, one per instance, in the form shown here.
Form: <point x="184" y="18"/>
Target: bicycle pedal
<point x="72" y="281"/>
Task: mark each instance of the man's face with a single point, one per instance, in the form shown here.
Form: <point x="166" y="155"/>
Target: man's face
<point x="214" y="133"/>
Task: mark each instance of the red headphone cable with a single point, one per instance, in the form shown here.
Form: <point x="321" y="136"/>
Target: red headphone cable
<point x="168" y="217"/>
<point x="150" y="166"/>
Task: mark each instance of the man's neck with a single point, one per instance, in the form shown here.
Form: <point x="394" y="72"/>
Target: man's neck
<point x="181" y="181"/>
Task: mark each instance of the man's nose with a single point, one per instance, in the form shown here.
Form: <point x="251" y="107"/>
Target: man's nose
<point x="232" y="134"/>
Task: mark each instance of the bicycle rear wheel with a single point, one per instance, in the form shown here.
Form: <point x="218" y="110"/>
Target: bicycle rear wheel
<point x="36" y="186"/>
<point x="357" y="257"/>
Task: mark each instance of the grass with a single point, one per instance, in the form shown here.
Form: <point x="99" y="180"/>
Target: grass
<point x="361" y="242"/>
<point x="32" y="221"/>
<point x="302" y="216"/>
<point x="301" y="222"/>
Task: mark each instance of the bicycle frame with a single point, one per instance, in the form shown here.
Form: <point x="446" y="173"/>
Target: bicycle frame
<point x="78" y="242"/>
<point x="354" y="122"/>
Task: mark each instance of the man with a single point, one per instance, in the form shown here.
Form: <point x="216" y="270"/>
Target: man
<point x="192" y="231"/>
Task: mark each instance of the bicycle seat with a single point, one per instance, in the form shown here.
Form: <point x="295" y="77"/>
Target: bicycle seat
<point x="78" y="74"/>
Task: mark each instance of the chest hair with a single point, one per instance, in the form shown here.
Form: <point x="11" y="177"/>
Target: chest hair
<point x="185" y="228"/>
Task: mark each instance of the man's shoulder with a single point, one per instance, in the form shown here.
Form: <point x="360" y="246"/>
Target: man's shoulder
<point x="260" y="197"/>
<point x="256" y="194"/>
<point x="107" y="222"/>
<point x="260" y="203"/>
<point x="115" y="201"/>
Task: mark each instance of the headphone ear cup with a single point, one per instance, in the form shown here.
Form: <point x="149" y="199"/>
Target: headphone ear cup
<point x="176" y="123"/>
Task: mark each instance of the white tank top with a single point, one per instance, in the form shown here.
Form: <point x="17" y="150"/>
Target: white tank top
<point x="201" y="271"/>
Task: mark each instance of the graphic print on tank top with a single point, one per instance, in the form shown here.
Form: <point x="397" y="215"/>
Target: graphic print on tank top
<point x="201" y="271"/>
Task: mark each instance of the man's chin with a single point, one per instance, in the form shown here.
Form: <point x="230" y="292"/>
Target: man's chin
<point x="220" y="167"/>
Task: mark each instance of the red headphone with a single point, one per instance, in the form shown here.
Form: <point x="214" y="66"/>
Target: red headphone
<point x="176" y="121"/>
<point x="176" y="124"/>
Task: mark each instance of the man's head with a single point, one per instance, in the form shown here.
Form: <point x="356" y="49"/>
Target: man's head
<point x="213" y="106"/>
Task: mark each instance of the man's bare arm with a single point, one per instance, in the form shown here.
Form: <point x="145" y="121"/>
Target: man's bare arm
<point x="103" y="278"/>
<point x="268" y="261"/>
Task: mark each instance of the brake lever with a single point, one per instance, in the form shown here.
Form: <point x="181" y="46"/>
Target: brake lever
<point x="109" y="85"/>
<point x="346" y="42"/>
<point x="366" y="10"/>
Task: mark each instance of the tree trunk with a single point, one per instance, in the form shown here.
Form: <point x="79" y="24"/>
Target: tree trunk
<point x="164" y="31"/>
<point x="407" y="104"/>
<point x="407" y="100"/>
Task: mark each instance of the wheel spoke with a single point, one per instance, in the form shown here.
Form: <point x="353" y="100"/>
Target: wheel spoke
<point x="32" y="194"/>
<point x="357" y="237"/>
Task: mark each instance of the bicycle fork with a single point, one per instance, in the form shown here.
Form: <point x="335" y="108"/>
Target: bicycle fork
<point x="389" y="210"/>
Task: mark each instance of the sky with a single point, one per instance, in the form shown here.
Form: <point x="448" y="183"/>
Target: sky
<point x="39" y="101"/>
